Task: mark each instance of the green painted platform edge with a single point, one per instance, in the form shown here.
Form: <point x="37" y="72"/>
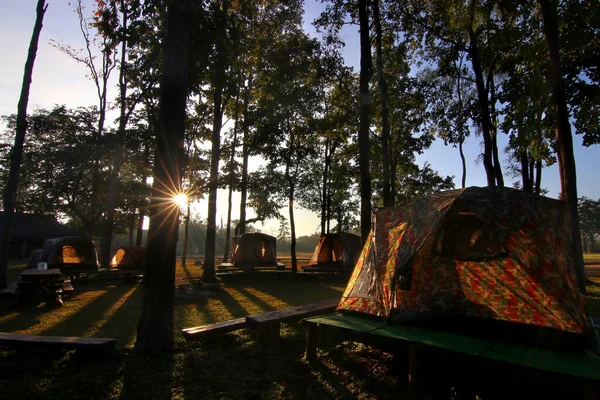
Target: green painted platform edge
<point x="571" y="364"/>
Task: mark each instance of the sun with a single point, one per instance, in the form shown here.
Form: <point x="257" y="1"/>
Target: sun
<point x="181" y="200"/>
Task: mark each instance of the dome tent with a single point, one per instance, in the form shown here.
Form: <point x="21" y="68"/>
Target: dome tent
<point x="71" y="254"/>
<point x="475" y="254"/>
<point x="335" y="252"/>
<point x="130" y="257"/>
<point x="254" y="248"/>
<point x="252" y="251"/>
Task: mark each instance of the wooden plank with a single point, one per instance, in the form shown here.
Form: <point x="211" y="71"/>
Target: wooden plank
<point x="20" y="341"/>
<point x="260" y="321"/>
<point x="219" y="327"/>
<point x="578" y="365"/>
<point x="331" y="270"/>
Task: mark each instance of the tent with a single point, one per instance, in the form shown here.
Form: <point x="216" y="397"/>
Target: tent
<point x="251" y="251"/>
<point x="336" y="252"/>
<point x="473" y="255"/>
<point x="70" y="254"/>
<point x="256" y="249"/>
<point x="132" y="257"/>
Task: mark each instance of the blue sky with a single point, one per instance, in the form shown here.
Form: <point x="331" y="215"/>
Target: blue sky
<point x="59" y="80"/>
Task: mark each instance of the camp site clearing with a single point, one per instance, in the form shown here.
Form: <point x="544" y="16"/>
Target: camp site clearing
<point x="234" y="365"/>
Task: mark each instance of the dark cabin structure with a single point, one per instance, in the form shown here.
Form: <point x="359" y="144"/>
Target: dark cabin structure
<point x="28" y="232"/>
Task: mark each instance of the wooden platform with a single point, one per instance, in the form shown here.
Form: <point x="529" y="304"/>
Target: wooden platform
<point x="29" y="342"/>
<point x="325" y="270"/>
<point x="410" y="338"/>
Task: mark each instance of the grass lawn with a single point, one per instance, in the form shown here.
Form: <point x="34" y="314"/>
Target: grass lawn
<point x="232" y="366"/>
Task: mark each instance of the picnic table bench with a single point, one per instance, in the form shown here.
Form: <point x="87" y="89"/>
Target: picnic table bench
<point x="267" y="323"/>
<point x="45" y="283"/>
<point x="29" y="342"/>
<point x="414" y="339"/>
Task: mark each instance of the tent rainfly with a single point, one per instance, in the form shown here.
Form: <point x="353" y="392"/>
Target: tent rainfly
<point x="131" y="257"/>
<point x="336" y="252"/>
<point x="488" y="256"/>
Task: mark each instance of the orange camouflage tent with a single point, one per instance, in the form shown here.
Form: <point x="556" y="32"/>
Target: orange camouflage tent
<point x="336" y="251"/>
<point x="482" y="253"/>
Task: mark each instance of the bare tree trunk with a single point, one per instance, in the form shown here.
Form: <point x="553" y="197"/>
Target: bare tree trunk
<point x="140" y="228"/>
<point x="231" y="183"/>
<point x="113" y="187"/>
<point x="564" y="139"/>
<point x="538" y="177"/>
<point x="186" y="234"/>
<point x="383" y="93"/>
<point x="363" y="133"/>
<point x="460" y="125"/>
<point x="526" y="177"/>
<point x="131" y="227"/>
<point x="494" y="131"/>
<point x="291" y="186"/>
<point x="155" y="329"/>
<point x="324" y="188"/>
<point x="245" y="154"/>
<point x="10" y="191"/>
<point x="486" y="123"/>
<point x="208" y="274"/>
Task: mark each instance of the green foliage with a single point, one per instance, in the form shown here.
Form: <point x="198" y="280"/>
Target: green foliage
<point x="589" y="217"/>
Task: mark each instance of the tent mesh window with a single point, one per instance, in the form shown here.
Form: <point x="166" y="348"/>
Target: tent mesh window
<point x="466" y="238"/>
<point x="70" y="255"/>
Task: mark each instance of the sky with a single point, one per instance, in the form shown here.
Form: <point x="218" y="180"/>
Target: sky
<point x="57" y="79"/>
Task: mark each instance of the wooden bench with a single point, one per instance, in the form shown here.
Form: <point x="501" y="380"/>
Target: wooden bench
<point x="211" y="329"/>
<point x="29" y="342"/>
<point x="267" y="323"/>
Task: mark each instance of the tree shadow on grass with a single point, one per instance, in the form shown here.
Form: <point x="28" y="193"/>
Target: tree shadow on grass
<point x="294" y="292"/>
<point x="144" y="378"/>
<point x="86" y="320"/>
<point x="231" y="304"/>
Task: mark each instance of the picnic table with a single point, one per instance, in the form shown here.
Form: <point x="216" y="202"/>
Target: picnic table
<point x="45" y="283"/>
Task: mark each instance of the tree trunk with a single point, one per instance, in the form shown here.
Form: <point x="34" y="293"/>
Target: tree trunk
<point x="538" y="177"/>
<point x="113" y="187"/>
<point x="245" y="154"/>
<point x="155" y="329"/>
<point x="140" y="228"/>
<point x="293" y="231"/>
<point x="363" y="133"/>
<point x="526" y="177"/>
<point x="231" y="183"/>
<point x="10" y="191"/>
<point x="486" y="123"/>
<point x="186" y="234"/>
<point x="208" y="274"/>
<point x="460" y="125"/>
<point x="383" y="93"/>
<point x="325" y="189"/>
<point x="291" y="186"/>
<point x="494" y="131"/>
<point x="564" y="139"/>
<point x="131" y="227"/>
